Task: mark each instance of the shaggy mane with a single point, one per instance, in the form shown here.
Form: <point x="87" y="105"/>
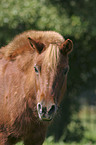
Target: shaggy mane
<point x="20" y="43"/>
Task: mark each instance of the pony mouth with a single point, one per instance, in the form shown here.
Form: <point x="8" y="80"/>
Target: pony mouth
<point x="45" y="117"/>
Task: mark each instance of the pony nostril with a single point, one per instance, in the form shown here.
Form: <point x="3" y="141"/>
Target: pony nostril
<point x="39" y="106"/>
<point x="41" y="109"/>
<point x="52" y="110"/>
<point x="44" y="110"/>
<point x="46" y="113"/>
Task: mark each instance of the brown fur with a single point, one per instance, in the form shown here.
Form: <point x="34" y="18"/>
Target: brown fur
<point x="20" y="45"/>
<point x="21" y="90"/>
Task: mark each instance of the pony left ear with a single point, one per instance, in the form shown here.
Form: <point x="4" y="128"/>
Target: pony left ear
<point x="66" y="47"/>
<point x="36" y="45"/>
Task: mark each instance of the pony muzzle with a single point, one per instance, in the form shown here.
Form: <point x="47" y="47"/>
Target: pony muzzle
<point x="46" y="113"/>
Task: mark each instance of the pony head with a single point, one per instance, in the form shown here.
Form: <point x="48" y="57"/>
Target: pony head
<point x="51" y="68"/>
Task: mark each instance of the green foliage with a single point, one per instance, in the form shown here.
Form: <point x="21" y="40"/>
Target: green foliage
<point x="73" y="19"/>
<point x="74" y="131"/>
<point x="43" y="15"/>
<point x="20" y="143"/>
<point x="88" y="118"/>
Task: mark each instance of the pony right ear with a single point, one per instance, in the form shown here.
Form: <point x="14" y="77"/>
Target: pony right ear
<point x="66" y="47"/>
<point x="36" y="45"/>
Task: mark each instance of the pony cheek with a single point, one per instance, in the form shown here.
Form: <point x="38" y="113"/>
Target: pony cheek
<point x="63" y="90"/>
<point x="60" y="90"/>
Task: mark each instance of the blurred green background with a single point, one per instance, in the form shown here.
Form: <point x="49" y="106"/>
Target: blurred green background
<point x="75" y="122"/>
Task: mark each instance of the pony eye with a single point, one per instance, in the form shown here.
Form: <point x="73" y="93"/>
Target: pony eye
<point x="36" y="69"/>
<point x="65" y="70"/>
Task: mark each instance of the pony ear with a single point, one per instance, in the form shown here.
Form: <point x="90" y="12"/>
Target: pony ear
<point x="66" y="47"/>
<point x="36" y="45"/>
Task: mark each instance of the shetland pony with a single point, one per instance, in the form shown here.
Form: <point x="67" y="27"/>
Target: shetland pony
<point x="33" y="77"/>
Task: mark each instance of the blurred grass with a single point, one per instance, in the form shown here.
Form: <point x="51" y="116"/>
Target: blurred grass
<point x="87" y="116"/>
